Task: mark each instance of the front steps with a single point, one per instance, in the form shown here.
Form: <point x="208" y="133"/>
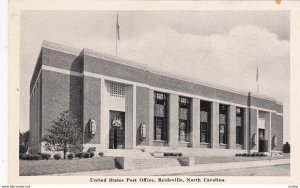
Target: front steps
<point x="154" y="163"/>
<point x="132" y="153"/>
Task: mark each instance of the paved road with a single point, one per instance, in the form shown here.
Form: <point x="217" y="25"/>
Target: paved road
<point x="278" y="170"/>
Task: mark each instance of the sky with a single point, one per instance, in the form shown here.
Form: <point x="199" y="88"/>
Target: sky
<point x="221" y="47"/>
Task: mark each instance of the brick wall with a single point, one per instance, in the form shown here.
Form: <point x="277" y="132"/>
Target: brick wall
<point x="263" y="103"/>
<point x="61" y="92"/>
<point x="253" y="128"/>
<point x="62" y="60"/>
<point x="126" y="72"/>
<point x="35" y="116"/>
<point x="277" y="130"/>
<point x="91" y="107"/>
<point x="36" y="71"/>
<point x="142" y="114"/>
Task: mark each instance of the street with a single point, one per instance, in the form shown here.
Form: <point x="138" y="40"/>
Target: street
<point x="278" y="170"/>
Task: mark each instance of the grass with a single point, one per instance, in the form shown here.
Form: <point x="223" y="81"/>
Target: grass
<point x="207" y="160"/>
<point x="44" y="167"/>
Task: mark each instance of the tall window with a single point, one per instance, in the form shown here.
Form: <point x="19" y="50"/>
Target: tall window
<point x="223" y="124"/>
<point x="204" y="122"/>
<point x="160" y="116"/>
<point x="239" y="126"/>
<point x="184" y="119"/>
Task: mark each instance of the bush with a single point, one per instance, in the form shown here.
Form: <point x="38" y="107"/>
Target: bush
<point x="86" y="155"/>
<point x="244" y="155"/>
<point x="57" y="156"/>
<point x="79" y="155"/>
<point x="70" y="156"/>
<point x="22" y="156"/>
<point x="22" y="149"/>
<point x="30" y="157"/>
<point x="44" y="156"/>
<point x="101" y="153"/>
<point x="92" y="154"/>
<point x="91" y="149"/>
<point x="179" y="154"/>
<point x="77" y="148"/>
<point x="37" y="157"/>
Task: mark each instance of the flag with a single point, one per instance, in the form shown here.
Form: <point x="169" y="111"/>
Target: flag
<point x="257" y="74"/>
<point x="118" y="28"/>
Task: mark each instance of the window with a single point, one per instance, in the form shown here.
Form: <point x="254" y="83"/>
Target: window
<point x="184" y="119"/>
<point x="117" y="90"/>
<point x="160" y="116"/>
<point x="222" y="124"/>
<point x="204" y="122"/>
<point x="239" y="126"/>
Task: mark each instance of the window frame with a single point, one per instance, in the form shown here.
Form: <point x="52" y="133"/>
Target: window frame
<point x="240" y="136"/>
<point x="187" y="130"/>
<point x="164" y="136"/>
<point x="206" y="107"/>
<point x="223" y="109"/>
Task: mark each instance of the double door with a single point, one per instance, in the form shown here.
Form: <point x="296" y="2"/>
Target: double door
<point x="262" y="142"/>
<point x="117" y="130"/>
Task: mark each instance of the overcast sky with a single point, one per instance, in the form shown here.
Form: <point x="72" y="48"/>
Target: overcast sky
<point x="222" y="47"/>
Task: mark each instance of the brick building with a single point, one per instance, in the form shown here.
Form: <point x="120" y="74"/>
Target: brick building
<point x="132" y="106"/>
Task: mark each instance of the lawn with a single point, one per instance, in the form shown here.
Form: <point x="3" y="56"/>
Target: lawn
<point x="44" y="167"/>
<point x="206" y="160"/>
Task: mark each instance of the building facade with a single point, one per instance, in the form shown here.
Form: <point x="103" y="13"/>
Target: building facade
<point x="126" y="105"/>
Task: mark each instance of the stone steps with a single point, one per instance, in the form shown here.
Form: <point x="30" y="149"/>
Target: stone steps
<point x="127" y="153"/>
<point x="154" y="163"/>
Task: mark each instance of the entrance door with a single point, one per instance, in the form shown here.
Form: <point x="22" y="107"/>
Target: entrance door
<point x="117" y="130"/>
<point x="263" y="144"/>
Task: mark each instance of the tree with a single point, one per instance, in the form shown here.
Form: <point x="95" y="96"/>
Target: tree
<point x="65" y="133"/>
<point x="26" y="137"/>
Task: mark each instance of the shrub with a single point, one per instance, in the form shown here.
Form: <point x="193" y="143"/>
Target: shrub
<point x="44" y="156"/>
<point x="91" y="149"/>
<point x="77" y="148"/>
<point x="57" y="156"/>
<point x="79" y="155"/>
<point x="70" y="156"/>
<point x="92" y="154"/>
<point x="244" y="155"/>
<point x="22" y="156"/>
<point x="29" y="157"/>
<point x="37" y="157"/>
<point x="179" y="154"/>
<point x="142" y="150"/>
<point x="253" y="155"/>
<point x="22" y="149"/>
<point x="86" y="155"/>
<point x="101" y="153"/>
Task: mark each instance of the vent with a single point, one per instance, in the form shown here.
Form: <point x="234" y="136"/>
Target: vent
<point x="117" y="90"/>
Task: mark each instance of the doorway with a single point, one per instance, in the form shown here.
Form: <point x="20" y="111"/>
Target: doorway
<point x="263" y="143"/>
<point x="116" y="130"/>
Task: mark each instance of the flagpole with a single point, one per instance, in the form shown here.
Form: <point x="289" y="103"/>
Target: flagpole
<point x="117" y="36"/>
<point x="257" y="77"/>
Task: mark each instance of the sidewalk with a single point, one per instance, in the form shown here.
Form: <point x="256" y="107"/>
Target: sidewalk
<point x="182" y="170"/>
